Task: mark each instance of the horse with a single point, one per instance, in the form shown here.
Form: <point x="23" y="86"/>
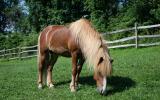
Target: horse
<point x="80" y="41"/>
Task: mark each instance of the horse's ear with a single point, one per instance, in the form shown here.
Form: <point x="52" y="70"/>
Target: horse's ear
<point x="100" y="60"/>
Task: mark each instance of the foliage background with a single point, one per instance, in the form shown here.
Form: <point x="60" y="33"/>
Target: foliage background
<point x="22" y="20"/>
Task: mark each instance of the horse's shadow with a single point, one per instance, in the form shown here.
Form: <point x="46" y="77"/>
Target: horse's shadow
<point x="115" y="83"/>
<point x="119" y="84"/>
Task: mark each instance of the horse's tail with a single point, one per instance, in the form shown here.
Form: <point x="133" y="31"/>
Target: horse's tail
<point x="43" y="69"/>
<point x="41" y="59"/>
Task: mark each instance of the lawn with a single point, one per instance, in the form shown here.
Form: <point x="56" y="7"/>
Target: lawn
<point x="136" y="75"/>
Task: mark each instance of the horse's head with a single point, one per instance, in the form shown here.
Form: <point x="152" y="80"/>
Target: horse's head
<point x="102" y="69"/>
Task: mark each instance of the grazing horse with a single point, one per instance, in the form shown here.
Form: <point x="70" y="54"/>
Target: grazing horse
<point x="81" y="42"/>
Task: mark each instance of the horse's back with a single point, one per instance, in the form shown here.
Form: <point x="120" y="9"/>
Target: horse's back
<point x="42" y="40"/>
<point x="57" y="39"/>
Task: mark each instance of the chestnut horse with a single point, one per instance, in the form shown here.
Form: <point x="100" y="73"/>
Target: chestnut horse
<point x="80" y="41"/>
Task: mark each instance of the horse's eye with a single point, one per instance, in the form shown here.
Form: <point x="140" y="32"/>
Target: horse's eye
<point x="100" y="60"/>
<point x="111" y="60"/>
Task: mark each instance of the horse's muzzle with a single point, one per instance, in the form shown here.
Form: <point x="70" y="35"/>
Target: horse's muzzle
<point x="101" y="90"/>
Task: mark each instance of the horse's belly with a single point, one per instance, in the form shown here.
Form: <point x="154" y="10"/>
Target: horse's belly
<point x="66" y="54"/>
<point x="62" y="51"/>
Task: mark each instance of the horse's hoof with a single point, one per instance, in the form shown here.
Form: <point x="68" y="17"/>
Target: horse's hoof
<point x="40" y="86"/>
<point x="50" y="85"/>
<point x="73" y="89"/>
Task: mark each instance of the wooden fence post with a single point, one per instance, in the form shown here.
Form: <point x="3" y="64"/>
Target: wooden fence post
<point x="4" y="53"/>
<point x="136" y="35"/>
<point x="19" y="53"/>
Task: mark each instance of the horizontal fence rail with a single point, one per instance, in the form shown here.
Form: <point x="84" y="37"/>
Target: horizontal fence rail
<point x="149" y="36"/>
<point x="19" y="53"/>
<point x="122" y="46"/>
<point x="149" y="26"/>
<point x="132" y="29"/>
<point x="31" y="51"/>
<point x="149" y="44"/>
<point x="121" y="40"/>
<point x="30" y="47"/>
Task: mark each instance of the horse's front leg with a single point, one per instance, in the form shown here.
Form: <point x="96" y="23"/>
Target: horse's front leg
<point x="74" y="71"/>
<point x="79" y="68"/>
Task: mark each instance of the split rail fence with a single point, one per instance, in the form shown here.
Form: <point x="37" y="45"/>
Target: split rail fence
<point x="31" y="51"/>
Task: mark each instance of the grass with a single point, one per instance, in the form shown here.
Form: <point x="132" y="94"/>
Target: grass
<point x="135" y="76"/>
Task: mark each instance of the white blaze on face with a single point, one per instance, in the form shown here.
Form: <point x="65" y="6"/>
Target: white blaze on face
<point x="104" y="83"/>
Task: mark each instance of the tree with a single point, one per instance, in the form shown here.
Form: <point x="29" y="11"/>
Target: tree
<point x="144" y="12"/>
<point x="100" y="11"/>
<point x="43" y="13"/>
<point x="3" y="19"/>
<point x="11" y="15"/>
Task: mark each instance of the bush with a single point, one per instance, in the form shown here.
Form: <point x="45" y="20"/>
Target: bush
<point x="2" y="42"/>
<point x="14" y="40"/>
<point x="30" y="40"/>
<point x="17" y="39"/>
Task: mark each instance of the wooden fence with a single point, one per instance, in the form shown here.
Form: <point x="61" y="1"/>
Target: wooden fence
<point x="18" y="53"/>
<point x="27" y="52"/>
<point x="136" y="37"/>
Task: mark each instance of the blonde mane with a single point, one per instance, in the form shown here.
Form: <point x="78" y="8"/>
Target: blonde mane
<point x="88" y="39"/>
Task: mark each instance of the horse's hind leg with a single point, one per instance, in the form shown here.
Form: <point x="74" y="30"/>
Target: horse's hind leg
<point x="42" y="68"/>
<point x="41" y="62"/>
<point x="52" y="61"/>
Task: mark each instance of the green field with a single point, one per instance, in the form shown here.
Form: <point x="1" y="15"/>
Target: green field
<point x="136" y="75"/>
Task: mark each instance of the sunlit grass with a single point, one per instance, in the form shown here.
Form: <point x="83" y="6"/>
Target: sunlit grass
<point x="135" y="76"/>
